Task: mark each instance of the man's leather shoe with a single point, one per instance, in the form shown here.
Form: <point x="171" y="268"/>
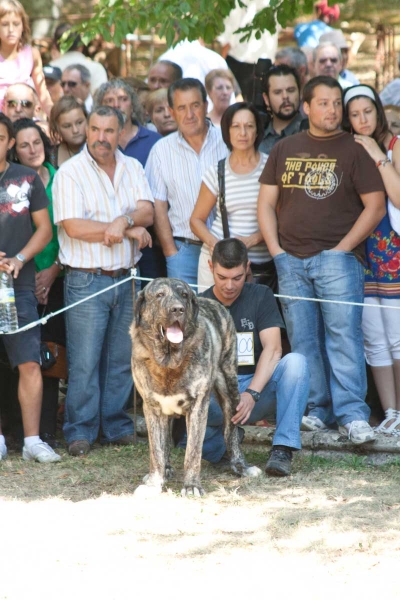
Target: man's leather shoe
<point x="79" y="448"/>
<point x="280" y="461"/>
<point x="125" y="440"/>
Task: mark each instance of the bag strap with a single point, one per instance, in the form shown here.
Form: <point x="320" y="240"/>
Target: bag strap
<point x="393" y="141"/>
<point x="221" y="197"/>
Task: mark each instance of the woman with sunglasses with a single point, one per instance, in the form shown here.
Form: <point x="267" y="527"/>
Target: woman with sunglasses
<point x="68" y="127"/>
<point x="32" y="149"/>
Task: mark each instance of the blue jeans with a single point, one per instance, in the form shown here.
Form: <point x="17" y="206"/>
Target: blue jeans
<point x="183" y="265"/>
<point x="328" y="334"/>
<point x="284" y="398"/>
<point x="99" y="355"/>
<point x="152" y="263"/>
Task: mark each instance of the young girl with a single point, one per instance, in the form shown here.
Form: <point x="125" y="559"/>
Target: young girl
<point x="68" y="127"/>
<point x="19" y="62"/>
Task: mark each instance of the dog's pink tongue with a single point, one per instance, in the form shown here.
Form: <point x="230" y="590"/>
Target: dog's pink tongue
<point x="174" y="334"/>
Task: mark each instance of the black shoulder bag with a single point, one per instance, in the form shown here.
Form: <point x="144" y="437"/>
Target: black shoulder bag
<point x="221" y="197"/>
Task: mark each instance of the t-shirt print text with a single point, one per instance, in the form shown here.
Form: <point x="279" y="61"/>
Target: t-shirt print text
<point x="246" y="324"/>
<point x="316" y="176"/>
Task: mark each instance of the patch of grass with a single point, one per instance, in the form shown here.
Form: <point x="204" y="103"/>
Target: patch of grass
<point x="119" y="470"/>
<point x="311" y="462"/>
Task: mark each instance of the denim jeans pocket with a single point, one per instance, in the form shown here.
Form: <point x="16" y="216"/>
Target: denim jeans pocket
<point x="78" y="279"/>
<point x="280" y="262"/>
<point x="180" y="248"/>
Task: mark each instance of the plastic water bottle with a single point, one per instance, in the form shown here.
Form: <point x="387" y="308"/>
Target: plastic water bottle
<point x="8" y="310"/>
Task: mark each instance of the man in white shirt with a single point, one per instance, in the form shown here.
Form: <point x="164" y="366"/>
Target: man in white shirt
<point x="194" y="59"/>
<point x="241" y="56"/>
<point x="102" y="203"/>
<point x="175" y="168"/>
<point x="328" y="61"/>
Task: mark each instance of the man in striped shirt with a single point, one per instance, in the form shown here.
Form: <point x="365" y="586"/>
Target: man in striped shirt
<point x="102" y="204"/>
<point x="175" y="168"/>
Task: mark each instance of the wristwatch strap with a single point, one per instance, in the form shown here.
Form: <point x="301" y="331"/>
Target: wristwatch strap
<point x="255" y="395"/>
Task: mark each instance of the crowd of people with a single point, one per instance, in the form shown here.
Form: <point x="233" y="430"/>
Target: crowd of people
<point x="192" y="180"/>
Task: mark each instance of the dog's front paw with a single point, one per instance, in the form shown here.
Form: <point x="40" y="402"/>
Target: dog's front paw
<point x="192" y="490"/>
<point x="252" y="472"/>
<point x="147" y="491"/>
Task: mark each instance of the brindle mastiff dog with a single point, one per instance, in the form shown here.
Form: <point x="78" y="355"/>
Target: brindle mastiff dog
<point x="183" y="348"/>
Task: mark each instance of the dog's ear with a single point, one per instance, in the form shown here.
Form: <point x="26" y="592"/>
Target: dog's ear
<point x="195" y="306"/>
<point x="139" y="306"/>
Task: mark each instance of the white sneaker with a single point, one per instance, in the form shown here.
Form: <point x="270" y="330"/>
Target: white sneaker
<point x="358" y="432"/>
<point x="3" y="451"/>
<point x="311" y="423"/>
<point x="41" y="452"/>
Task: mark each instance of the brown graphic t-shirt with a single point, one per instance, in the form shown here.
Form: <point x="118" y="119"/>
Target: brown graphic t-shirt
<point x="320" y="180"/>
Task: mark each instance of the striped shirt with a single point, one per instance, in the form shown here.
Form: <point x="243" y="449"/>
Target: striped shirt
<point x="82" y="190"/>
<point x="174" y="171"/>
<point x="241" y="195"/>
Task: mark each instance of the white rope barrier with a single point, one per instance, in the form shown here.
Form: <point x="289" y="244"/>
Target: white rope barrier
<point x="43" y="320"/>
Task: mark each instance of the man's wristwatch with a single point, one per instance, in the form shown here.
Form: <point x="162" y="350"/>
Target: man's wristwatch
<point x="131" y="222"/>
<point x="21" y="258"/>
<point x="255" y="395"/>
<point x="59" y="264"/>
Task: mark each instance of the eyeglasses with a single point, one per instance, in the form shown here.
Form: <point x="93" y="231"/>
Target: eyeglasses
<point x="70" y="84"/>
<point x="323" y="61"/>
<point x="23" y="103"/>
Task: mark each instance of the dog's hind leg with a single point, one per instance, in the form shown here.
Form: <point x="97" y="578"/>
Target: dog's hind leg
<point x="196" y="421"/>
<point x="158" y="430"/>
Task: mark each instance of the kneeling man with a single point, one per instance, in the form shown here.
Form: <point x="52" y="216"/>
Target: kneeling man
<point x="268" y="383"/>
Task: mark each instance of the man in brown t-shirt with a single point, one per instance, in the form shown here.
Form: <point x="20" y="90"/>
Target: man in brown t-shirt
<point x="321" y="196"/>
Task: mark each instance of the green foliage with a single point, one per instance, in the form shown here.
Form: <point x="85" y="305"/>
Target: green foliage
<point x="179" y="19"/>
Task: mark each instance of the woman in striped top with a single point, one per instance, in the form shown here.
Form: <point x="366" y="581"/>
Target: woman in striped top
<point x="242" y="131"/>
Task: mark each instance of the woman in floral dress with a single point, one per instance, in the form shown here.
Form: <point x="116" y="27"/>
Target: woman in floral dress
<point x="365" y="117"/>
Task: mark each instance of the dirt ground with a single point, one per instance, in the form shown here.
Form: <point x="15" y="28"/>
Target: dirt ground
<point x="75" y="530"/>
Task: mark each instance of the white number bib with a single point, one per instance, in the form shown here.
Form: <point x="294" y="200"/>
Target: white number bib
<point x="245" y="348"/>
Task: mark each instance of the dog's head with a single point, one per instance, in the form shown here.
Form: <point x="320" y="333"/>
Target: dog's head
<point x="166" y="313"/>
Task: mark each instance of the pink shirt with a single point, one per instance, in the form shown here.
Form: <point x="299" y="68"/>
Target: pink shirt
<point x="18" y="70"/>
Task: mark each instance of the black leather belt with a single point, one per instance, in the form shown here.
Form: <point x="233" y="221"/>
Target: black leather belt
<point x="116" y="273"/>
<point x="188" y="241"/>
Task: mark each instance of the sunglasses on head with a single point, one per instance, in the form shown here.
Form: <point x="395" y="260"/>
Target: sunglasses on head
<point x="70" y="84"/>
<point x="23" y="103"/>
